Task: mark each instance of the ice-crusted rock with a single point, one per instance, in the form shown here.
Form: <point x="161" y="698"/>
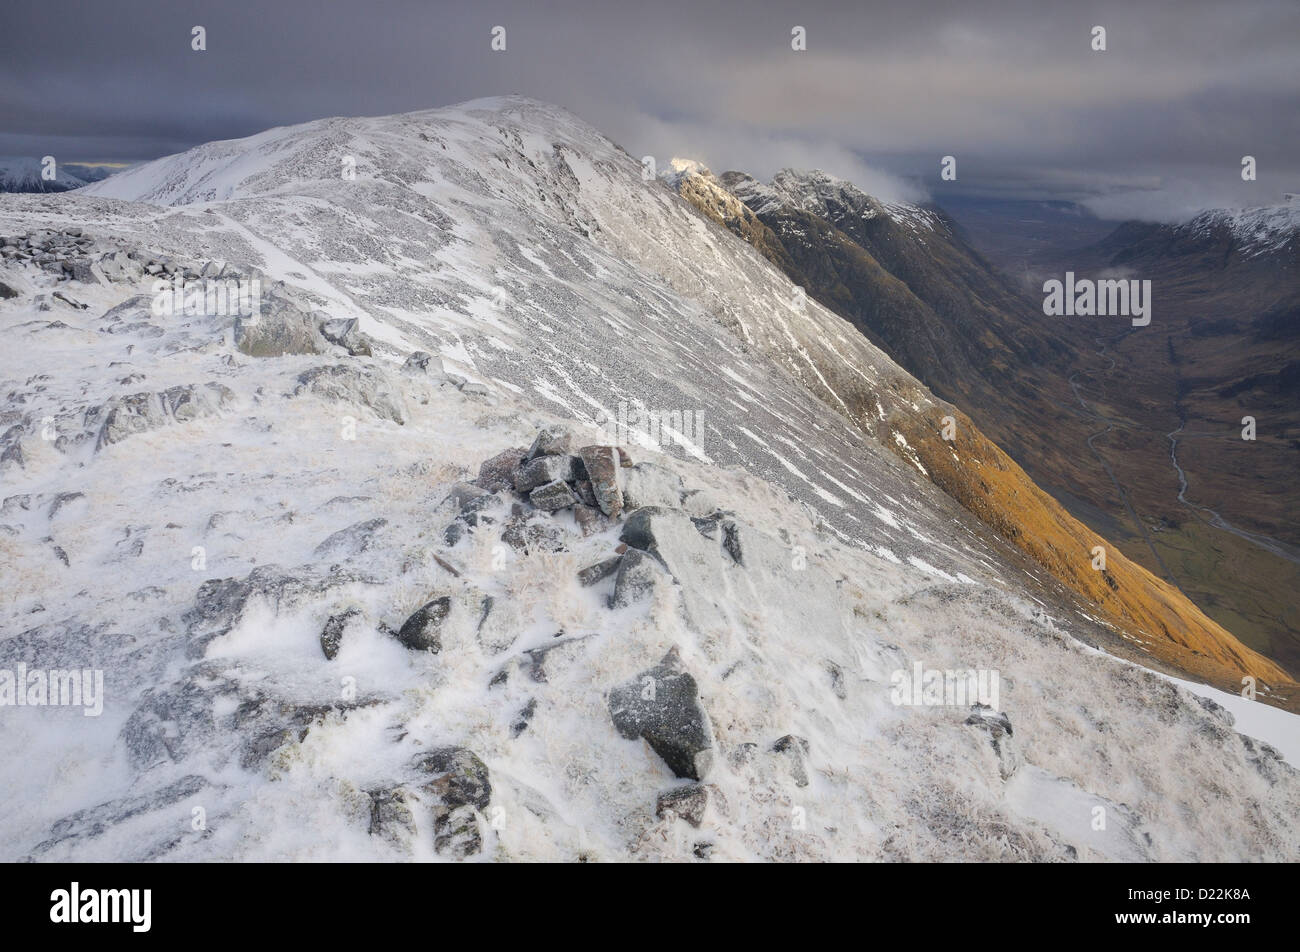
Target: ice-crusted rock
<point x="423" y="630"/>
<point x="687" y="802"/>
<point x="662" y="706"/>
<point x="646" y="484"/>
<point x="602" y="464"/>
<point x="998" y="726"/>
<point x="553" y="496"/>
<point x="550" y="441"/>
<point x="795" y="750"/>
<point x="124" y="416"/>
<point x="639" y="573"/>
<point x="344" y="332"/>
<point x="331" y="636"/>
<point x="545" y="469"/>
<point x="497" y="473"/>
<point x="350" y="541"/>
<point x="391" y="814"/>
<point x="423" y="364"/>
<point x="282" y="327"/>
<point x="461" y="786"/>
<point x="221" y="603"/>
<point x="357" y="385"/>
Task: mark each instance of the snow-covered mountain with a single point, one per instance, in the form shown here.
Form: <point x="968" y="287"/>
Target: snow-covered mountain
<point x="318" y="638"/>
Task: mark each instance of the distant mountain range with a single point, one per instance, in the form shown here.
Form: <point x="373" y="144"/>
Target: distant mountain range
<point x="24" y="174"/>
<point x="375" y="569"/>
<point x="1087" y="406"/>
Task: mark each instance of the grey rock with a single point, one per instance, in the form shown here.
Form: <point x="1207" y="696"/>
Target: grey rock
<point x="604" y="472"/>
<point x="282" y="327"/>
<point x="497" y="473"/>
<point x="638" y="575"/>
<point x="661" y="705"/>
<point x="345" y="332"/>
<point x="331" y="636"/>
<point x="795" y="749"/>
<point x="601" y="570"/>
<point x="553" y="496"/>
<point x="421" y="363"/>
<point x="687" y="802"/>
<point x="422" y="631"/>
<point x="545" y="469"/>
<point x="551" y="441"/>
<point x="355" y="384"/>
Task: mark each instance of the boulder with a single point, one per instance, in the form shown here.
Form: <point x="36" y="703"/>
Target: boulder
<point x="661" y="705"/>
<point x="422" y="631"/>
<point x="421" y="363"/>
<point x="356" y="384"/>
<point x="605" y="473"/>
<point x="601" y="570"/>
<point x="550" y="441"/>
<point x="545" y="469"/>
<point x="553" y="496"/>
<point x="687" y="802"/>
<point x="497" y="473"/>
<point x="456" y="776"/>
<point x="345" y="332"/>
<point x="646" y="484"/>
<point x="638" y="575"/>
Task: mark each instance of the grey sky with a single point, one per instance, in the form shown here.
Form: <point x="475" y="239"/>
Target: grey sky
<point x="1156" y="125"/>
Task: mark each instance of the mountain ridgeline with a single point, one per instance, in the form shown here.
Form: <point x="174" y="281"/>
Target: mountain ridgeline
<point x="907" y="279"/>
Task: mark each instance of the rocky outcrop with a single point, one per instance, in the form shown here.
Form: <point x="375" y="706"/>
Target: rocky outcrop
<point x="661" y="705"/>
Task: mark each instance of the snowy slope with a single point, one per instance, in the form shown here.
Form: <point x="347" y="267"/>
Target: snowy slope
<point x="524" y="249"/>
<point x="1256" y="231"/>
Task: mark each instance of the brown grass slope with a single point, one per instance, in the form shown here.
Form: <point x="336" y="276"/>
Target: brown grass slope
<point x="1152" y="615"/>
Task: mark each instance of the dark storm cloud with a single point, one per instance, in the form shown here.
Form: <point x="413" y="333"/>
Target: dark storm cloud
<point x="1161" y="119"/>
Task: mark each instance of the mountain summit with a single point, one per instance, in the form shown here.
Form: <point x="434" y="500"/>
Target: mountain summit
<point x="529" y="515"/>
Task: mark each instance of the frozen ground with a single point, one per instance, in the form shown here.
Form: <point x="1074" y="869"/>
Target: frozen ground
<point x="523" y="250"/>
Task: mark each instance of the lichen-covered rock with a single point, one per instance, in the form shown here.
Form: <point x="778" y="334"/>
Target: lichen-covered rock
<point x="687" y="802"/>
<point x="551" y="441"/>
<point x="605" y="473"/>
<point x="497" y="473"/>
<point x="553" y="496"/>
<point x="545" y="469"/>
<point x="391" y="814"/>
<point x="662" y="705"/>
<point x="456" y="776"/>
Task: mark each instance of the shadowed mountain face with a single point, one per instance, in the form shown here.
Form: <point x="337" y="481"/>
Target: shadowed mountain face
<point x="1089" y="406"/>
